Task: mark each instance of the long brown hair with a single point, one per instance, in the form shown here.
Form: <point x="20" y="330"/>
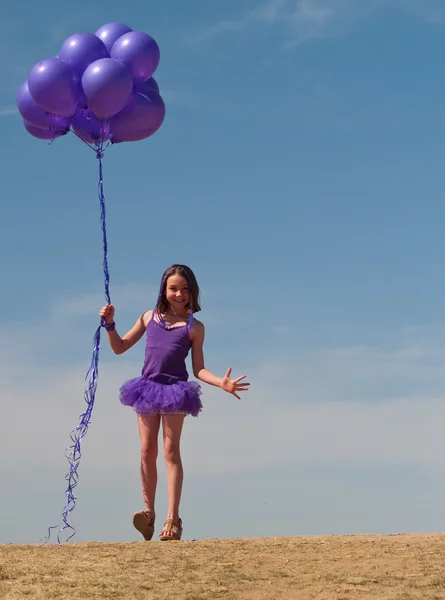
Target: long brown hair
<point x="189" y="276"/>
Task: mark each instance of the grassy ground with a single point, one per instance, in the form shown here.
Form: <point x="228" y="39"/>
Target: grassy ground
<point x="398" y="567"/>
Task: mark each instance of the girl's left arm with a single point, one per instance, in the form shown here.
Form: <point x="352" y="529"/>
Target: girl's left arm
<point x="199" y="370"/>
<point x="232" y="386"/>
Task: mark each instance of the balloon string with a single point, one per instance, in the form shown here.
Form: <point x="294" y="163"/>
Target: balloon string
<point x="83" y="141"/>
<point x="73" y="452"/>
<point x="103" y="226"/>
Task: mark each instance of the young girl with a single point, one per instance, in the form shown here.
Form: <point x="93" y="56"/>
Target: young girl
<point x="163" y="393"/>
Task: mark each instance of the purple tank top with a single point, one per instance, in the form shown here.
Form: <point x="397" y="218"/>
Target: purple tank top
<point x="166" y="349"/>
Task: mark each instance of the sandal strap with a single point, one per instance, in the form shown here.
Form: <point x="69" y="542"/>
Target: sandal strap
<point x="170" y="523"/>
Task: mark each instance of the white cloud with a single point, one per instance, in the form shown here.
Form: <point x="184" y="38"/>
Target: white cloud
<point x="313" y="18"/>
<point x="8" y="111"/>
<point x="80" y="313"/>
<point x="132" y="296"/>
<point x="269" y="12"/>
<point x="212" y="31"/>
<point x="432" y="11"/>
<point x="179" y="97"/>
<point x="305" y="20"/>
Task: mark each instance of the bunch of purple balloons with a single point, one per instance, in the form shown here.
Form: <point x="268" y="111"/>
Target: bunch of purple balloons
<point x="100" y="86"/>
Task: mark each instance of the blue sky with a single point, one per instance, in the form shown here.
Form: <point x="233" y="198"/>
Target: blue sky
<point x="299" y="172"/>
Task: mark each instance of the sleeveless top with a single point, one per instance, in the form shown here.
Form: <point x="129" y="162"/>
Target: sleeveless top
<point x="166" y="349"/>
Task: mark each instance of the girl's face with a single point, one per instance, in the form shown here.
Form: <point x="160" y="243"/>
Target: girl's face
<point x="177" y="292"/>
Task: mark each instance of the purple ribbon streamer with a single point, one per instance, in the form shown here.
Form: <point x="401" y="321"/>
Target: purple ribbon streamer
<point x="73" y="452"/>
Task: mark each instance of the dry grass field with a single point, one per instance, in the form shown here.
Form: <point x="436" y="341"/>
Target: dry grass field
<point x="396" y="567"/>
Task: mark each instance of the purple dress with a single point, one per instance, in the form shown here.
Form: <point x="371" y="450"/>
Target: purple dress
<point x="163" y="387"/>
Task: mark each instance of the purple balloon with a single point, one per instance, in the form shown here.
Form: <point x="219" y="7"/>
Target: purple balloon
<point x="34" y="114"/>
<point x="111" y="32"/>
<point x="140" y="119"/>
<point x="43" y="134"/>
<point x="82" y="102"/>
<point x="54" y="86"/>
<point x="86" y="126"/>
<point x="107" y="84"/>
<point x="81" y="49"/>
<point x="147" y="87"/>
<point x="139" y="52"/>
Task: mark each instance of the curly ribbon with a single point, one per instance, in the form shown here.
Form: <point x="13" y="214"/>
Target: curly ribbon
<point x="73" y="452"/>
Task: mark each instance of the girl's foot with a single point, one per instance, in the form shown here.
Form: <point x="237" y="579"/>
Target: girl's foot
<point x="144" y="522"/>
<point x="172" y="530"/>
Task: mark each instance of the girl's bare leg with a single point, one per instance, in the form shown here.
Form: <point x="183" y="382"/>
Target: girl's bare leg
<point x="148" y="432"/>
<point x="172" y="429"/>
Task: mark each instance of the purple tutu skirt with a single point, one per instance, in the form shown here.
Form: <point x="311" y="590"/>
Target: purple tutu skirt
<point x="149" y="397"/>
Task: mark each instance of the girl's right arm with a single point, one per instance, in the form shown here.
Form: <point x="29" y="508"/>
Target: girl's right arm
<point x="120" y="345"/>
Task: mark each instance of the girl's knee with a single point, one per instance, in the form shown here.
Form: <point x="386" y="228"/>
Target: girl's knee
<point x="149" y="452"/>
<point x="172" y="453"/>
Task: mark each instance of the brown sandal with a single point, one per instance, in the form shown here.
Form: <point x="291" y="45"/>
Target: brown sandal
<point x="144" y="522"/>
<point x="173" y="526"/>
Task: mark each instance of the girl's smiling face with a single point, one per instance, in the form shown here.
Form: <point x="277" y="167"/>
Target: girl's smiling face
<point x="177" y="292"/>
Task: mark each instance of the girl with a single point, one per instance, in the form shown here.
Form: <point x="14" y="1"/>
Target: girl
<point x="163" y="393"/>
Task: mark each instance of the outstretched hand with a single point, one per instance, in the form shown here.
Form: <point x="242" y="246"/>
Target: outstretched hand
<point x="232" y="386"/>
